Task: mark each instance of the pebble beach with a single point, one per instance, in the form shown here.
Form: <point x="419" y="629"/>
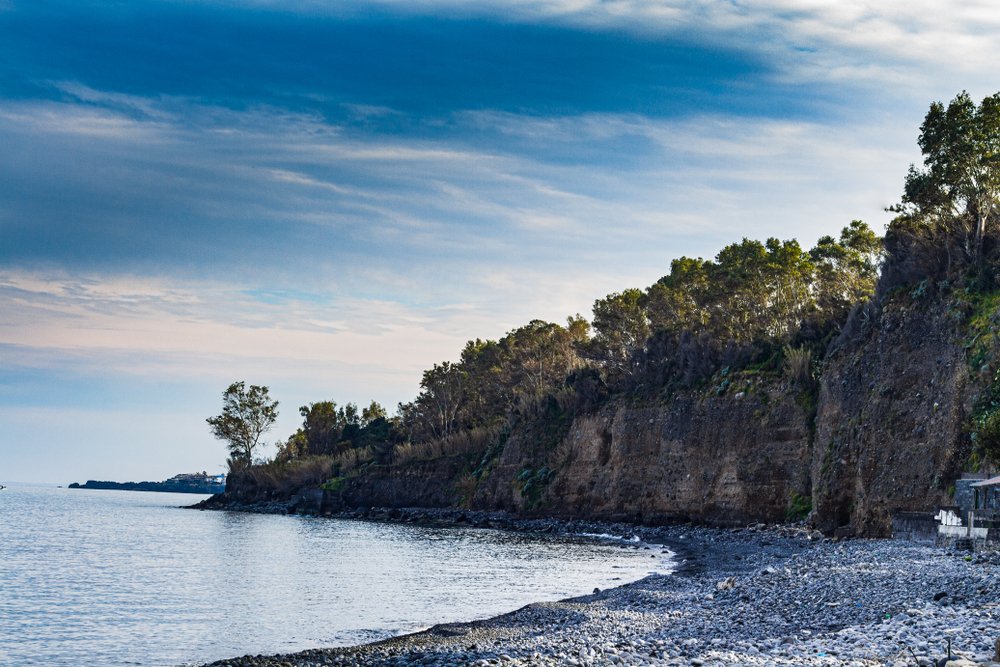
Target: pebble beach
<point x="765" y="596"/>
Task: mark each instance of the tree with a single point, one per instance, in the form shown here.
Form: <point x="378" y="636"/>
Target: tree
<point x="678" y="301"/>
<point x="441" y="398"/>
<point x="247" y="414"/>
<point x="538" y="357"/>
<point x="845" y="270"/>
<point x="621" y="329"/>
<point x="373" y="413"/>
<point x="957" y="191"/>
<point x="322" y="426"/>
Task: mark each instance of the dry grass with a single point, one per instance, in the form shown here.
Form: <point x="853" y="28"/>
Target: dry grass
<point x="352" y="459"/>
<point x="798" y="364"/>
<point x="474" y="441"/>
<point x="285" y="478"/>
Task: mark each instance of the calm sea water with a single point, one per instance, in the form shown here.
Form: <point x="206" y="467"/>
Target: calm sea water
<point x="127" y="578"/>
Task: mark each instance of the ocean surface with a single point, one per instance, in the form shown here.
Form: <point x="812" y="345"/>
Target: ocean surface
<point x="104" y="578"/>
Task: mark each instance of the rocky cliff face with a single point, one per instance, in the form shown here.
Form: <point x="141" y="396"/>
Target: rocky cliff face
<point x="417" y="484"/>
<point x="890" y="432"/>
<point x="730" y="459"/>
<point x="892" y="420"/>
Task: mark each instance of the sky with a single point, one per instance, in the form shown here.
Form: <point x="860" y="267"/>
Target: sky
<point x="327" y="198"/>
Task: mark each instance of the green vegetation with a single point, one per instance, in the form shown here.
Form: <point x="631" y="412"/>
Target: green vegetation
<point x="945" y="229"/>
<point x="331" y="431"/>
<point x="531" y="483"/>
<point x="247" y="414"/>
<point x="799" y="507"/>
<point x="334" y="485"/>
<point x="983" y="356"/>
<point x="756" y="308"/>
<point x="945" y="242"/>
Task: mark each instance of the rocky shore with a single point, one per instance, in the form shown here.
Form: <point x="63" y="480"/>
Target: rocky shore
<point x="751" y="596"/>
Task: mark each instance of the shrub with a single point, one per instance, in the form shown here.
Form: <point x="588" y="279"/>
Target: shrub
<point x="351" y="459"/>
<point x="798" y="364"/>
<point x="335" y="485"/>
<point x="465" y="487"/>
<point x="281" y="478"/>
<point x="988" y="435"/>
<point x="799" y="507"/>
<point x="472" y="441"/>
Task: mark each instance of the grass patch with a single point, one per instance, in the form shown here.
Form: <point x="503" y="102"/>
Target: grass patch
<point x="799" y="507"/>
<point x="334" y="485"/>
<point x="531" y="484"/>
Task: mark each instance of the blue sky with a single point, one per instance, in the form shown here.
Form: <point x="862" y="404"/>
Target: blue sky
<point x="327" y="198"/>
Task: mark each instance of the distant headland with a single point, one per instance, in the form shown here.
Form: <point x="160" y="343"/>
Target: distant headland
<point x="184" y="483"/>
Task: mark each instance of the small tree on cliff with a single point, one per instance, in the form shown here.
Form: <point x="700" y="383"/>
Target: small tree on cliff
<point x="247" y="414"/>
<point x="956" y="195"/>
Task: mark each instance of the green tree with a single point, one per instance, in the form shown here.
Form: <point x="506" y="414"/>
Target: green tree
<point x="295" y="446"/>
<point x="539" y="356"/>
<point x="486" y="394"/>
<point x="247" y="414"/>
<point x="677" y="301"/>
<point x="621" y="328"/>
<point x="441" y="398"/>
<point x="372" y="413"/>
<point x="845" y="270"/>
<point x="322" y="426"/>
<point x="958" y="189"/>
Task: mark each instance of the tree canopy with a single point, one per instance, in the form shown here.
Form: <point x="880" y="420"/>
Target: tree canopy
<point x="247" y="414"/>
<point x="951" y="203"/>
<point x="328" y="429"/>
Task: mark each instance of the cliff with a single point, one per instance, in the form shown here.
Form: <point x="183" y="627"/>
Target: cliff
<point x="730" y="458"/>
<point x="887" y="429"/>
<point x="737" y="457"/>
<point x="892" y="426"/>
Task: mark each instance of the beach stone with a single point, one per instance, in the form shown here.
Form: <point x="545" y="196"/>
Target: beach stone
<point x="793" y="601"/>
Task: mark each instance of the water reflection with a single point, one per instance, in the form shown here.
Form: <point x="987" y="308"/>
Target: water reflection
<point x="109" y="578"/>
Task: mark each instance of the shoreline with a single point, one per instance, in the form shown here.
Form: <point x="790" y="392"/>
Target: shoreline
<point x="776" y="595"/>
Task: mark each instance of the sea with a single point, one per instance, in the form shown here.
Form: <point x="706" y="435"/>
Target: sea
<point x="113" y="578"/>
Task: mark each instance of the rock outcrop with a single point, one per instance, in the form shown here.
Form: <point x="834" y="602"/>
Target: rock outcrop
<point x="893" y="417"/>
<point x="888" y="430"/>
<point x="725" y="459"/>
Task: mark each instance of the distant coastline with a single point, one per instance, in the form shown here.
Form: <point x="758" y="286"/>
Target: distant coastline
<point x="184" y="483"/>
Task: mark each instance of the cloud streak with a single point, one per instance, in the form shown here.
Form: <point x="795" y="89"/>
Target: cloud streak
<point x="330" y="197"/>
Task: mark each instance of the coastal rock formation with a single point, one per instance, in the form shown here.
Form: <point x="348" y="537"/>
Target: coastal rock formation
<point x="893" y="417"/>
<point x="417" y="484"/>
<point x="733" y="458"/>
<point x="887" y="430"/>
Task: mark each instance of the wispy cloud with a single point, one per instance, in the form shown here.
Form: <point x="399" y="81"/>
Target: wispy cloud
<point x="212" y="183"/>
<point x="337" y="195"/>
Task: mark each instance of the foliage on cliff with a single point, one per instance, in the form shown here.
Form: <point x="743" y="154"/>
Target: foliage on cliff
<point x="750" y="330"/>
<point x="772" y="304"/>
<point x="945" y="242"/>
<point x="946" y="230"/>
